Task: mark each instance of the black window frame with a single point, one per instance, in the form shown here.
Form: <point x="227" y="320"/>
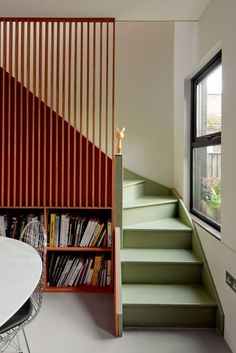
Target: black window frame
<point x="205" y="140"/>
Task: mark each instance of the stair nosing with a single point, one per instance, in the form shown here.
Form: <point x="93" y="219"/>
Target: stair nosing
<point x="164" y="262"/>
<point x="212" y="305"/>
<point x="148" y="204"/>
<point x="189" y="301"/>
<point x="132" y="183"/>
<point x="125" y="253"/>
<point x="156" y="230"/>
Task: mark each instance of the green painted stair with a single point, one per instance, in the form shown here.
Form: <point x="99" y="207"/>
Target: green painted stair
<point x="164" y="233"/>
<point x="165" y="276"/>
<point x="167" y="306"/>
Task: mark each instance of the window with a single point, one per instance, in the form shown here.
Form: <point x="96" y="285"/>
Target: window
<point x="206" y="143"/>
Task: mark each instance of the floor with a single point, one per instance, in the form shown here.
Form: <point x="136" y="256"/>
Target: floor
<point x="69" y="323"/>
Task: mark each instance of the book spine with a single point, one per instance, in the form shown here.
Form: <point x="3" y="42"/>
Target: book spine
<point x="97" y="265"/>
<point x="52" y="229"/>
<point x="57" y="231"/>
<point x="109" y="234"/>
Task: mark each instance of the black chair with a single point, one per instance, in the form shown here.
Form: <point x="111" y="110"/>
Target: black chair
<point x="34" y="235"/>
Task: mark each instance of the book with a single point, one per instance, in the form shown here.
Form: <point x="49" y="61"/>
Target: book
<point x="97" y="266"/>
<point x="57" y="231"/>
<point x="62" y="230"/>
<point x="67" y="268"/>
<point x="84" y="271"/>
<point x="77" y="232"/>
<point x="88" y="270"/>
<point x="101" y="238"/>
<point x="108" y="265"/>
<point x="97" y="234"/>
<point x="109" y="234"/>
<point x="52" y="229"/>
<point x="88" y="232"/>
<point x="72" y="273"/>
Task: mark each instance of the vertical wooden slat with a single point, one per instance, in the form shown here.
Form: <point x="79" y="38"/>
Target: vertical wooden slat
<point x="39" y="112"/>
<point x="57" y="110"/>
<point x="1" y="63"/>
<point x="113" y="90"/>
<point x="87" y="120"/>
<point x="81" y="114"/>
<point x="69" y="122"/>
<point x="0" y="45"/>
<point x="94" y="101"/>
<point x="9" y="112"/>
<point x="75" y="115"/>
<point x="27" y="116"/>
<point x="100" y="123"/>
<point x="33" y="115"/>
<point x="22" y="63"/>
<point x="113" y="120"/>
<point x="45" y="116"/>
<point x="15" y="111"/>
<point x="107" y="87"/>
<point x="51" y="112"/>
<point x="3" y="109"/>
<point x="63" y="115"/>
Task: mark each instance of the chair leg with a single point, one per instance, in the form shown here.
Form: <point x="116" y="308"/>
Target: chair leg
<point x="26" y="341"/>
<point x="18" y="344"/>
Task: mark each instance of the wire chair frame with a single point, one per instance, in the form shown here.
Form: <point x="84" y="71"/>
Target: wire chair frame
<point x="34" y="235"/>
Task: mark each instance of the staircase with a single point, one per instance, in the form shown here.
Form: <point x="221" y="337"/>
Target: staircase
<point x="165" y="277"/>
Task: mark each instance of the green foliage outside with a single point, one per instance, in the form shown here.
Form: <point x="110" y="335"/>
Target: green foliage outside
<point x="212" y="192"/>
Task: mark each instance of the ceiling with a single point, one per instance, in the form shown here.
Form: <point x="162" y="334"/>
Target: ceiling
<point x="128" y="10"/>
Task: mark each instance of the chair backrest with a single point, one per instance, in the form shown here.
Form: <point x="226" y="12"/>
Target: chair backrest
<point x="35" y="235"/>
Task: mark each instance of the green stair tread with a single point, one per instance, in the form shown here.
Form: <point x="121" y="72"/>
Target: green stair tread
<point x="150" y="200"/>
<point x="171" y="256"/>
<point x="166" y="294"/>
<point x="165" y="224"/>
<point x="131" y="182"/>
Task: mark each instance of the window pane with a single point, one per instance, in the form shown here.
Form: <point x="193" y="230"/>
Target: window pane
<point x="209" y="92"/>
<point x="207" y="181"/>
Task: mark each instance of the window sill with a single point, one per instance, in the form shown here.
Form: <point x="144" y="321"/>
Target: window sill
<point x="206" y="227"/>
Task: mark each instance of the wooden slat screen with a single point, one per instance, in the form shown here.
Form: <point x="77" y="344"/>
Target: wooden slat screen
<point x="57" y="112"/>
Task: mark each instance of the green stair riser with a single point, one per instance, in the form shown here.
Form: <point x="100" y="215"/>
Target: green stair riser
<point x="149" y="213"/>
<point x="132" y="192"/>
<point x="151" y="239"/>
<point x="165" y="273"/>
<point x="168" y="316"/>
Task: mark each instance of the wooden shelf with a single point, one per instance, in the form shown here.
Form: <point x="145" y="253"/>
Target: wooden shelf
<point x="23" y="207"/>
<point x="57" y="208"/>
<point x="85" y="289"/>
<point x="73" y="248"/>
<point x="106" y="252"/>
<point x="77" y="208"/>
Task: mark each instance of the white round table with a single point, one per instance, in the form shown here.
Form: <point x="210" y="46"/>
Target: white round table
<point x="20" y="270"/>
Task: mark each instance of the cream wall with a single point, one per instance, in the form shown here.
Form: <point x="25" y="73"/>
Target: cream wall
<point x="218" y="24"/>
<point x="185" y="57"/>
<point x="216" y="30"/>
<point x="144" y="97"/>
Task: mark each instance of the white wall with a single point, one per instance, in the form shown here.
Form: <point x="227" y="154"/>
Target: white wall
<point x="218" y="24"/>
<point x="217" y="29"/>
<point x="185" y="55"/>
<point x="144" y="97"/>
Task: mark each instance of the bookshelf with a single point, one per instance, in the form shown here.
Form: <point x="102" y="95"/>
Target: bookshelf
<point x="102" y="216"/>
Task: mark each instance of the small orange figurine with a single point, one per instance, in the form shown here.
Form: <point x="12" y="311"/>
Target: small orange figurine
<point x="119" y="135"/>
